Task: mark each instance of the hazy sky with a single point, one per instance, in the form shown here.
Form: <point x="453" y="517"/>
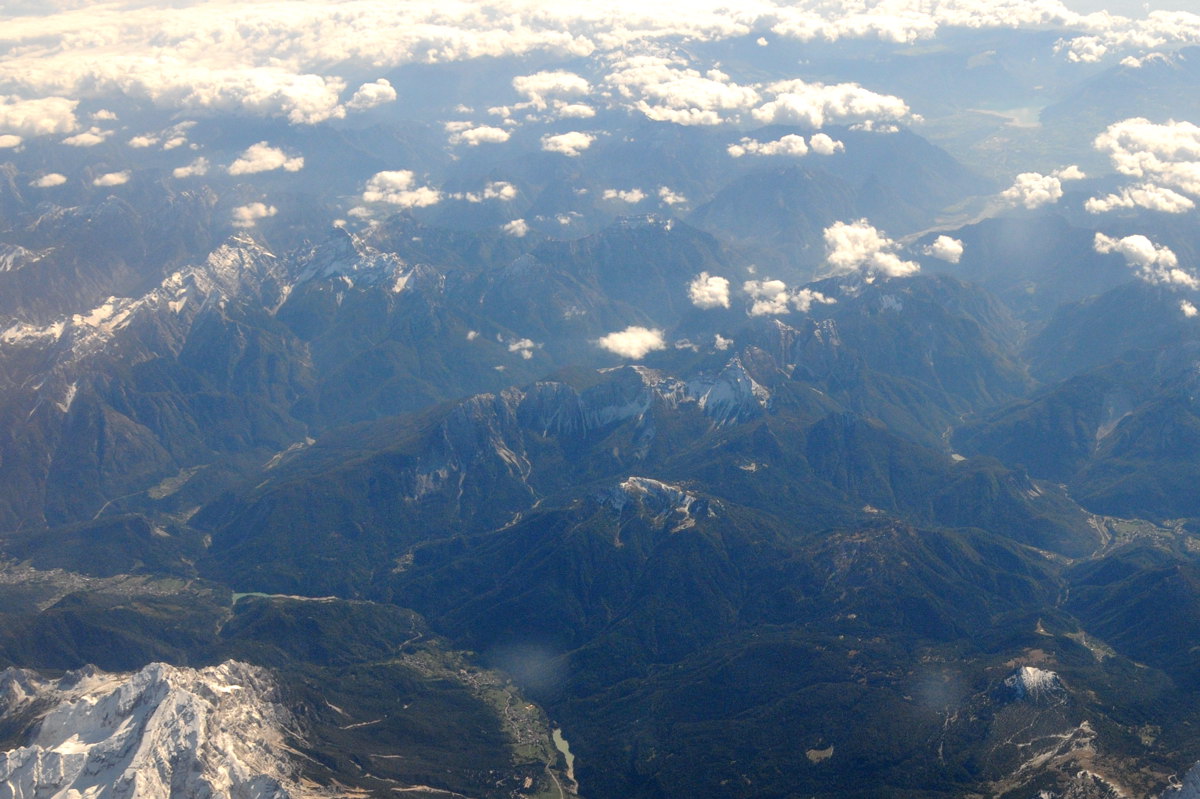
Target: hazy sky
<point x="1131" y="7"/>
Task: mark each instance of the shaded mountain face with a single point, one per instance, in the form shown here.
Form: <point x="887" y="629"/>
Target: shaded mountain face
<point x="847" y="499"/>
<point x="619" y="405"/>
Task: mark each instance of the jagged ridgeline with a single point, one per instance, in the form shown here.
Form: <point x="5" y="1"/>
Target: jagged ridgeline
<point x="560" y="437"/>
<point x="759" y="550"/>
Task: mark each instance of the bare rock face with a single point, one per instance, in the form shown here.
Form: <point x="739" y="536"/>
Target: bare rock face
<point x="162" y="731"/>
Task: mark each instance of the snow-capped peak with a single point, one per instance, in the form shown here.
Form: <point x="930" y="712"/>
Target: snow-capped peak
<point x="159" y="732"/>
<point x="1034" y="684"/>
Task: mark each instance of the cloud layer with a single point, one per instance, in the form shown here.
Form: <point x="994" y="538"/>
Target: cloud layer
<point x="298" y="60"/>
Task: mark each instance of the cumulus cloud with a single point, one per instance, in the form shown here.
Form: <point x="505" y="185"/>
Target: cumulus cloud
<point x="669" y="197"/>
<point x="570" y="144"/>
<point x="1033" y="189"/>
<point x="262" y="157"/>
<point x="790" y="144"/>
<point x="1149" y="261"/>
<point x="770" y="297"/>
<point x="721" y="343"/>
<point x="634" y="342"/>
<point x="194" y="169"/>
<point x="523" y="347"/>
<point x="573" y="110"/>
<point x="666" y="90"/>
<point x="1112" y="34"/>
<point x="289" y="59"/>
<point x="484" y="134"/>
<point x="247" y="216"/>
<point x="88" y="138"/>
<point x="824" y="144"/>
<point x="1160" y="154"/>
<point x="540" y="87"/>
<point x="112" y="179"/>
<point x="1145" y="195"/>
<point x="631" y="196"/>
<point x="815" y="105"/>
<point x="496" y="190"/>
<point x="945" y="248"/>
<point x="399" y="187"/>
<point x="804" y="299"/>
<point x="44" y="116"/>
<point x="370" y="95"/>
<point x="859" y="247"/>
<point x="1188" y="309"/>
<point x="517" y="228"/>
<point x="143" y="141"/>
<point x="709" y="291"/>
<point x="773" y="297"/>
<point x="49" y="180"/>
<point x="9" y="140"/>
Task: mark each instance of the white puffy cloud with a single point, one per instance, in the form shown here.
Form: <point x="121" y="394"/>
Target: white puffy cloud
<point x="666" y="90"/>
<point x="43" y="116"/>
<point x="88" y="138"/>
<point x="631" y="196"/>
<point x="805" y="298"/>
<point x="262" y="157"/>
<point x="517" y="228"/>
<point x="1111" y="34"/>
<point x="634" y="342"/>
<point x="112" y="179"/>
<point x="570" y="144"/>
<point x="484" y="134"/>
<point x="1151" y="262"/>
<point x="859" y="247"/>
<point x="670" y="197"/>
<point x="1188" y="309"/>
<point x="495" y="190"/>
<point x="9" y="140"/>
<point x="523" y="347"/>
<point x="721" y="343"/>
<point x="399" y="187"/>
<point x="945" y="248"/>
<point x="770" y="297"/>
<point x="815" y="105"/>
<point x="824" y="144"/>
<point x="790" y="144"/>
<point x="194" y="169"/>
<point x="247" y="216"/>
<point x="292" y="59"/>
<point x="143" y="141"/>
<point x="1163" y="154"/>
<point x="370" y="95"/>
<point x="49" y="180"/>
<point x="709" y="291"/>
<point x="1145" y="195"/>
<point x="1033" y="189"/>
<point x="573" y="110"/>
<point x="540" y="87"/>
